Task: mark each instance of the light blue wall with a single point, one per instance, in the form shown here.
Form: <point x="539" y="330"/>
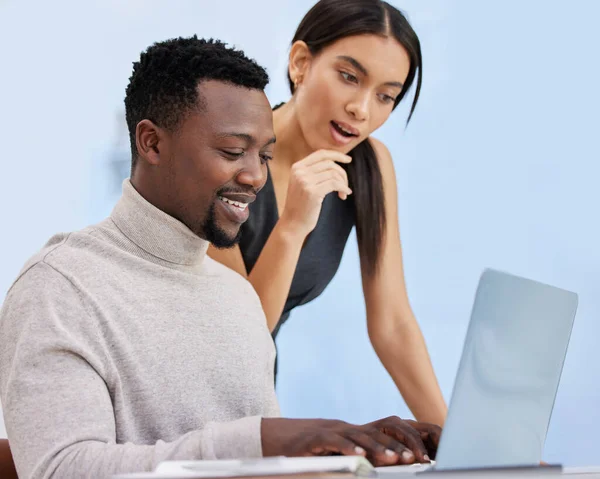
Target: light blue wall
<point x="497" y="168"/>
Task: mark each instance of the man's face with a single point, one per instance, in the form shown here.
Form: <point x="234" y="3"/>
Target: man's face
<point x="216" y="160"/>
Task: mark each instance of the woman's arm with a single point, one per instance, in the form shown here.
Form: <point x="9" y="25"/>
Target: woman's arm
<point x="393" y="329"/>
<point x="273" y="272"/>
<point x="311" y="179"/>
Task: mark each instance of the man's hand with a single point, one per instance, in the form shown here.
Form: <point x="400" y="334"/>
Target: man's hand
<point x="385" y="442"/>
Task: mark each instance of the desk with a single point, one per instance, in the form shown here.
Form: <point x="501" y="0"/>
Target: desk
<point x="568" y="472"/>
<point x="393" y="473"/>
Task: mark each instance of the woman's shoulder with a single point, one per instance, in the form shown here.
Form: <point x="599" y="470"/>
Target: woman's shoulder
<point x="384" y="157"/>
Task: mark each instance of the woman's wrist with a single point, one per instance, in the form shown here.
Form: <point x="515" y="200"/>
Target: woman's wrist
<point x="289" y="233"/>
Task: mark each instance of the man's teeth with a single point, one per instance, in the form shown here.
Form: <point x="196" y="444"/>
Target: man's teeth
<point x="239" y="204"/>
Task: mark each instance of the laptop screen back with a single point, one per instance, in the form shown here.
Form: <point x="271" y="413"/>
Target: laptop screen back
<point x="508" y="375"/>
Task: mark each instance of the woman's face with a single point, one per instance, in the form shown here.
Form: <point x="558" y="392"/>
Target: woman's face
<point x="347" y="91"/>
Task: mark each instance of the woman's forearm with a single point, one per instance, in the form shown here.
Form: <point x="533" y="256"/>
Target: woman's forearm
<point x="403" y="352"/>
<point x="274" y="270"/>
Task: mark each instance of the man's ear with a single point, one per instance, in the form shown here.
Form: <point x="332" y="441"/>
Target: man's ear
<point x="149" y="139"/>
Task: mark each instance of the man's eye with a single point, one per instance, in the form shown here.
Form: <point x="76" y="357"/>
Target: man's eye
<point x="234" y="153"/>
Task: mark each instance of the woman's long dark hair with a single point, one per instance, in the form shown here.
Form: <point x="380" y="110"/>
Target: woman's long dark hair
<point x="329" y="21"/>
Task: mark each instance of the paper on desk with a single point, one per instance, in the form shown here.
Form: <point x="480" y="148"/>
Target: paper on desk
<point x="273" y="466"/>
<point x="382" y="472"/>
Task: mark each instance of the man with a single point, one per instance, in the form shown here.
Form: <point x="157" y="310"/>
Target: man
<point x="124" y="344"/>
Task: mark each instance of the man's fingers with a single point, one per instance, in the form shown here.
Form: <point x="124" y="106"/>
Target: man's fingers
<point x="430" y="435"/>
<point x="327" y="443"/>
<point x="407" y="435"/>
<point x="378" y="452"/>
<point x="402" y="454"/>
<point x="413" y="442"/>
<point x="433" y="431"/>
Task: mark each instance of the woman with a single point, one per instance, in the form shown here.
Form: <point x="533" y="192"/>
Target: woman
<point x="350" y="64"/>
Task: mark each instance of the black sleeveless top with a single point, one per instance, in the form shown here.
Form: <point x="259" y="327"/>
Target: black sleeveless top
<point x="322" y="251"/>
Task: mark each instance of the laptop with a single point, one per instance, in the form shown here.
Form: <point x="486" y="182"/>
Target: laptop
<point x="508" y="376"/>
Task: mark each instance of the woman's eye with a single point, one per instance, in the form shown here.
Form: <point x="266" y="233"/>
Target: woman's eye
<point x="386" y="98"/>
<point x="349" y="77"/>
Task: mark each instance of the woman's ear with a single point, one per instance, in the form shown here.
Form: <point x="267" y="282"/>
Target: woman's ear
<point x="299" y="62"/>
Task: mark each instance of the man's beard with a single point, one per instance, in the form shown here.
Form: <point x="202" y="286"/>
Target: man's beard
<point x="215" y="235"/>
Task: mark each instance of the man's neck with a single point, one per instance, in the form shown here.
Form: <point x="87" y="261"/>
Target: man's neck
<point x="154" y="230"/>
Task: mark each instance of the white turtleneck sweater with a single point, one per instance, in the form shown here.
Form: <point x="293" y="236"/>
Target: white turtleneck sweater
<point x="123" y="345"/>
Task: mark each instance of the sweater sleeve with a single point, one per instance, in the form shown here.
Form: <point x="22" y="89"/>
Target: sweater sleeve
<point x="57" y="408"/>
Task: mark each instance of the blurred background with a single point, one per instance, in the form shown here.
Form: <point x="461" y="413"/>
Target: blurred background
<point x="498" y="168"/>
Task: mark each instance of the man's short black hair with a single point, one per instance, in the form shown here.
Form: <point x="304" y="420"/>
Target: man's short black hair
<point x="163" y="85"/>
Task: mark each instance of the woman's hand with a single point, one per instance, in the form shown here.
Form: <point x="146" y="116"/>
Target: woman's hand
<point x="311" y="180"/>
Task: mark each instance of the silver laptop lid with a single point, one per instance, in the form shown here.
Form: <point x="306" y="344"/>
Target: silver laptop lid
<point x="508" y="375"/>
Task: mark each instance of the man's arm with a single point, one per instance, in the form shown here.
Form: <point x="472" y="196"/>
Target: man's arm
<point x="61" y="423"/>
<point x="58" y="411"/>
